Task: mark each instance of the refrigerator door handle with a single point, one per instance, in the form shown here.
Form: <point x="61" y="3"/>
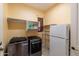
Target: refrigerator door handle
<point x="59" y="37"/>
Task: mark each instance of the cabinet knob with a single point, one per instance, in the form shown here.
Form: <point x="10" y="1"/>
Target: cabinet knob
<point x="73" y="48"/>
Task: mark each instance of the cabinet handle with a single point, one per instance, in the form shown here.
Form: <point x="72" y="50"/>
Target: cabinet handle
<point x="73" y="48"/>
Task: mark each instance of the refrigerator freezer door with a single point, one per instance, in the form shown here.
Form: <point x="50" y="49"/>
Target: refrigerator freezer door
<point x="58" y="47"/>
<point x="59" y="30"/>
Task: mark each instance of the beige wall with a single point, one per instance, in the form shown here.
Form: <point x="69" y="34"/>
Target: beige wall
<point x="22" y="11"/>
<point x="18" y="11"/>
<point x="60" y="14"/>
<point x="5" y="25"/>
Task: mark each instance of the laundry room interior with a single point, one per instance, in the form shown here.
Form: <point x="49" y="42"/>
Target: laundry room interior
<point x="38" y="29"/>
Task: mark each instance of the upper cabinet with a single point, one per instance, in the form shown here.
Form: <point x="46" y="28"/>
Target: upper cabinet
<point x="31" y="25"/>
<point x="14" y="24"/>
<point x="40" y="24"/>
<point x="17" y="24"/>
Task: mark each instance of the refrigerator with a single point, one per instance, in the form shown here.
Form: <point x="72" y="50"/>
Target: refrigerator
<point x="59" y="40"/>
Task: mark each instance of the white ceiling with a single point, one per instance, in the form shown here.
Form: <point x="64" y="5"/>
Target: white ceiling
<point x="41" y="6"/>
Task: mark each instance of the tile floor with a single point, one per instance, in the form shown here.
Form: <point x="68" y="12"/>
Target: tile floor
<point x="45" y="52"/>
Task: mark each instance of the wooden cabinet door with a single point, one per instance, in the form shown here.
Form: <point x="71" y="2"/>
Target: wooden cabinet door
<point x="40" y="24"/>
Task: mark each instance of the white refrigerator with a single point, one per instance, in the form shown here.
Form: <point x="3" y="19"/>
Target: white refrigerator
<point x="59" y="40"/>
